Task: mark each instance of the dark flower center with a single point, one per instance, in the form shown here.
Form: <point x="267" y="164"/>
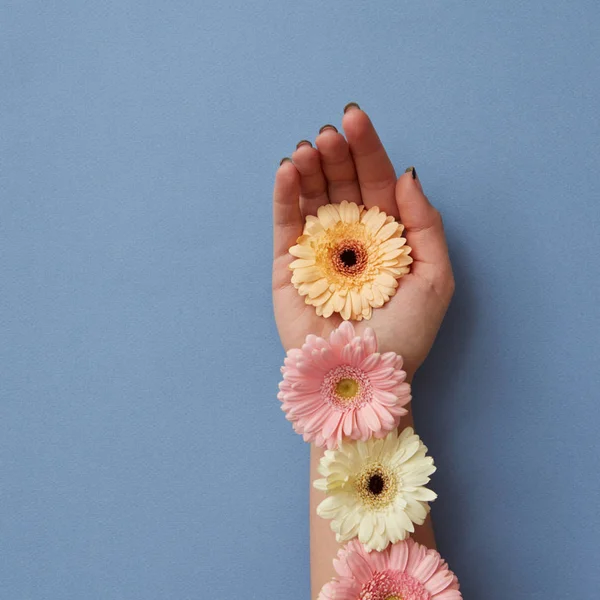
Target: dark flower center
<point x="376" y="484"/>
<point x="348" y="257"/>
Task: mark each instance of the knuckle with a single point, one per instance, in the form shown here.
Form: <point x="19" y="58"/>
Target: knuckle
<point x="451" y="286"/>
<point x="436" y="217"/>
<point x="432" y="219"/>
<point x="444" y="283"/>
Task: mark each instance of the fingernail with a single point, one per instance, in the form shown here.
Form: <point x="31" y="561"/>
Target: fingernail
<point x="303" y="143"/>
<point x="413" y="170"/>
<point x="284" y="159"/>
<point x="350" y="105"/>
<point x="328" y="126"/>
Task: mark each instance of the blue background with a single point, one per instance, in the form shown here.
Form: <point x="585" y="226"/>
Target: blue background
<point x="143" y="452"/>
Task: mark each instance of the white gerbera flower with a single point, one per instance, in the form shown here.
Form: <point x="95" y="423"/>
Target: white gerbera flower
<point x="375" y="489"/>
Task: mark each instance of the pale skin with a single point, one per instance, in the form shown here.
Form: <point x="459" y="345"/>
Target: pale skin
<point x="355" y="167"/>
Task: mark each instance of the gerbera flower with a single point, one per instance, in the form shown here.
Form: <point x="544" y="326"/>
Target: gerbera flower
<point x="375" y="489"/>
<point x="404" y="571"/>
<point x="343" y="387"/>
<point x="349" y="260"/>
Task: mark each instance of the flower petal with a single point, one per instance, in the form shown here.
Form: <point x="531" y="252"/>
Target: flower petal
<point x="387" y="231"/>
<point x="318" y="288"/>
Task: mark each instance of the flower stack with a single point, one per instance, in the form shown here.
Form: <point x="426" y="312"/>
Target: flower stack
<point x="340" y="393"/>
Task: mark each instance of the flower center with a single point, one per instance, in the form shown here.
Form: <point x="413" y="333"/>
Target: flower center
<point x="349" y="257"/>
<point x="393" y="585"/>
<point x="377" y="486"/>
<point x="347" y="388"/>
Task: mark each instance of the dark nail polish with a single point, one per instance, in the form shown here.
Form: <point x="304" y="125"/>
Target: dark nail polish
<point x="284" y="159"/>
<point x="303" y="143"/>
<point x="413" y="171"/>
<point x="350" y="105"/>
<point x="328" y="126"/>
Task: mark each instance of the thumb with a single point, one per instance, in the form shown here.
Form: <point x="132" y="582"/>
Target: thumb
<point x="424" y="227"/>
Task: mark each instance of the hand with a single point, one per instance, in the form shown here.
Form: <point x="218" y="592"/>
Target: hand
<point x="358" y="169"/>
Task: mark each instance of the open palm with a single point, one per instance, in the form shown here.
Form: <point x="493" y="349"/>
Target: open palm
<point x="357" y="169"/>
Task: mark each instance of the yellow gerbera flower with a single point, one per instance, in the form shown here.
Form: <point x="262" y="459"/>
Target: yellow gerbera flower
<point x="349" y="260"/>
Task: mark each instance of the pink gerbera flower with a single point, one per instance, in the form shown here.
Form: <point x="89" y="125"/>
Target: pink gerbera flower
<point x="404" y="571"/>
<point x="343" y="387"/>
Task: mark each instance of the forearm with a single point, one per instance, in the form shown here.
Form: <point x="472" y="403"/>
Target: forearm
<point x="323" y="545"/>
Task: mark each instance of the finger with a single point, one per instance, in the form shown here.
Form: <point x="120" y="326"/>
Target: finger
<point x="338" y="167"/>
<point x="287" y="219"/>
<point x="376" y="175"/>
<point x="424" y="228"/>
<point x="313" y="185"/>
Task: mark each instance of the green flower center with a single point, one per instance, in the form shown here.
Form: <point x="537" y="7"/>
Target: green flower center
<point x="346" y="388"/>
